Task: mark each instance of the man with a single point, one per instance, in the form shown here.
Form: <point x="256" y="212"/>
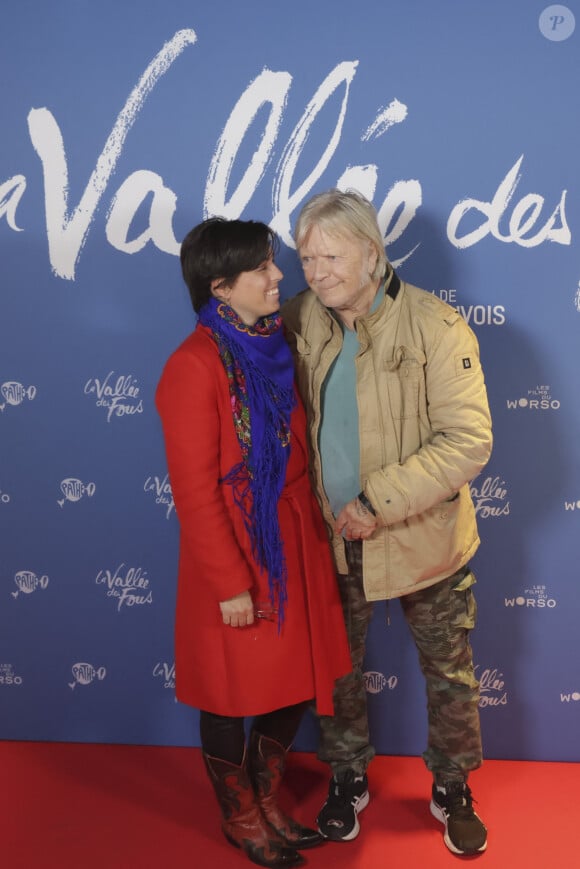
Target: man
<point x="398" y="424"/>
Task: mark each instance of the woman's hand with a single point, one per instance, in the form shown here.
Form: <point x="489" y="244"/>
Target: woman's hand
<point x="238" y="611"/>
<point x="355" y="522"/>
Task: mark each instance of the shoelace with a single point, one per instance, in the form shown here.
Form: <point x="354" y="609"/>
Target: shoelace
<point x="459" y="801"/>
<point x="344" y="788"/>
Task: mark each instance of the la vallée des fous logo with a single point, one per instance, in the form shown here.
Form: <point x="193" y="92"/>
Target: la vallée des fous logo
<point x="492" y="687"/>
<point x="166" y="673"/>
<point x="118" y="395"/>
<point x="490" y="497"/>
<point x="160" y="488"/>
<point x="129" y="586"/>
<point x="525" y="223"/>
<point x="536" y="597"/>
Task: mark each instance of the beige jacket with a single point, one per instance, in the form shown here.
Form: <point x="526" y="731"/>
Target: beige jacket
<point x="424" y="426"/>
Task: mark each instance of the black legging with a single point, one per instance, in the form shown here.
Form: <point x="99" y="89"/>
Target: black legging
<point x="224" y="736"/>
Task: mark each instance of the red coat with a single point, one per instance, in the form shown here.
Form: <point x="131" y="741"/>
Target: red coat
<point x="252" y="670"/>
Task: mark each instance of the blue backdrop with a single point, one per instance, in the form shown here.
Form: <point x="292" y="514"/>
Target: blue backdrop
<point x="122" y="126"/>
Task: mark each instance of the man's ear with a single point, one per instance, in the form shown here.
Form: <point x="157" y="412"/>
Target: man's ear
<point x="373" y="258"/>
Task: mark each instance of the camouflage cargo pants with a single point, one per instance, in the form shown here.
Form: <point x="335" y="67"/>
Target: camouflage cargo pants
<point x="440" y="618"/>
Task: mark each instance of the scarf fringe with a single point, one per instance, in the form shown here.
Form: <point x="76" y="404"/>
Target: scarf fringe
<point x="257" y="481"/>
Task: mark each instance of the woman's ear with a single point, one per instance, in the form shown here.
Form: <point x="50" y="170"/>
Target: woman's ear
<point x="220" y="290"/>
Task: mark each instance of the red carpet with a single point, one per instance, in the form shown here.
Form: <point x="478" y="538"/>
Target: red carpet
<point x="129" y="807"/>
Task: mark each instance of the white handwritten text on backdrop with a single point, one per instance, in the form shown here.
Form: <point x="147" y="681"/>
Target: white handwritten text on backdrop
<point x="68" y="228"/>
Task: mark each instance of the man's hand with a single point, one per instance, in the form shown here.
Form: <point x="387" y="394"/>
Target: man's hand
<point x="355" y="522"/>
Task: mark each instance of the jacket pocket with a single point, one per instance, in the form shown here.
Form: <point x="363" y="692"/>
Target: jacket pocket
<point x="431" y="543"/>
<point x="405" y="381"/>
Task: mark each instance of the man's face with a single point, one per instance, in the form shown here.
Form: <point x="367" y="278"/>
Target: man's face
<point x="338" y="268"/>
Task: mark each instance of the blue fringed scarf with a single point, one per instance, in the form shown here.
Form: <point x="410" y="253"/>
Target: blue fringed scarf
<point x="260" y="371"/>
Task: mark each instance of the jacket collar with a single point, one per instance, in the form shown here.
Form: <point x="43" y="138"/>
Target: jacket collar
<point x="386" y="306"/>
<point x="392" y="290"/>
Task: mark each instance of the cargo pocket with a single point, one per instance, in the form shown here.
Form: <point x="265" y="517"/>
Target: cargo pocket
<point x="465" y="607"/>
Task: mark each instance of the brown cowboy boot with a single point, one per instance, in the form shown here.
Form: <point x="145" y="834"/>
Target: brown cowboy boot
<point x="243" y="823"/>
<point x="267" y="762"/>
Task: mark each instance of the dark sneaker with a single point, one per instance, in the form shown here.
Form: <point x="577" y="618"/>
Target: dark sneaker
<point x="348" y="795"/>
<point x="453" y="806"/>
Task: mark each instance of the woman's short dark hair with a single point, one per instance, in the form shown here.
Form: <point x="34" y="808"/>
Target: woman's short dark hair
<point x="220" y="248"/>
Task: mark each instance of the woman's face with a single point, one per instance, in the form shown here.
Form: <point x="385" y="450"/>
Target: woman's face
<point x="255" y="294"/>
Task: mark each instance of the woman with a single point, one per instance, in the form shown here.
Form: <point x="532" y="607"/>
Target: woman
<point x="259" y="625"/>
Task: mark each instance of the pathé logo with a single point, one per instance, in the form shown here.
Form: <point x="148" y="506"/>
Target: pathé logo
<point x="28" y="582"/>
<point x="14" y="393"/>
<point x="84" y="674"/>
<point x="120" y="396"/>
<point x="376" y="682"/>
<point x="73" y="490"/>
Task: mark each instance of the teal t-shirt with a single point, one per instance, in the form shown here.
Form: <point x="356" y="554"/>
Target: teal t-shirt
<point x="338" y="437"/>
